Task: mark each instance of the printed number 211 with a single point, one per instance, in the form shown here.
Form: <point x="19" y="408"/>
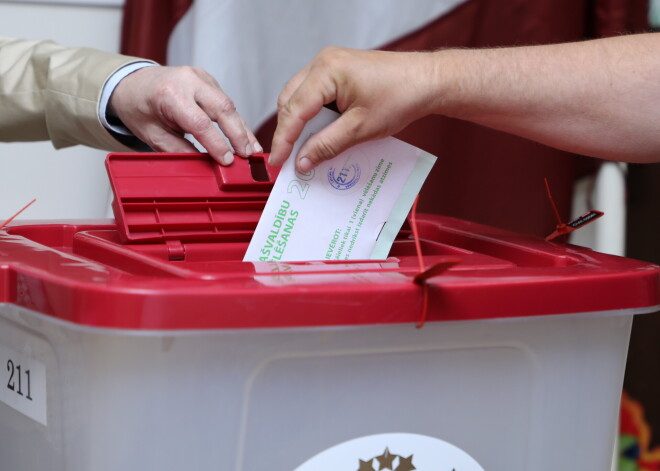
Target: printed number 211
<point x="15" y="382"/>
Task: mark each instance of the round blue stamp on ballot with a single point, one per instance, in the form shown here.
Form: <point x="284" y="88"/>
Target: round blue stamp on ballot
<point x="344" y="178"/>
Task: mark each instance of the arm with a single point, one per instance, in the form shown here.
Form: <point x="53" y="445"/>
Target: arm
<point x="51" y="92"/>
<point x="597" y="98"/>
<point x="48" y="91"/>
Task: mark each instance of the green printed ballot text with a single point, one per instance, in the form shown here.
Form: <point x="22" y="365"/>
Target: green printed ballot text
<point x="280" y="231"/>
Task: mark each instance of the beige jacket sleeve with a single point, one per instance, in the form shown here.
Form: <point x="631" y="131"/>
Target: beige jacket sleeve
<point x="48" y="91"/>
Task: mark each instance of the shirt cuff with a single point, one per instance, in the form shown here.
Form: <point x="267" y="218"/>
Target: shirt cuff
<point x="106" y="93"/>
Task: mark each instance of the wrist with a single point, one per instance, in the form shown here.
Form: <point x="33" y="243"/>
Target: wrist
<point x="107" y="107"/>
<point x="446" y="89"/>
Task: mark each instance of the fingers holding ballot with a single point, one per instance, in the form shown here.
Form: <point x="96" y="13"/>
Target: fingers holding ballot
<point x="378" y="93"/>
<point x="161" y="104"/>
<point x="348" y="208"/>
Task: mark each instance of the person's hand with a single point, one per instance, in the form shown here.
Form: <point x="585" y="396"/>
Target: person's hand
<point x="379" y="93"/>
<point x="160" y="104"/>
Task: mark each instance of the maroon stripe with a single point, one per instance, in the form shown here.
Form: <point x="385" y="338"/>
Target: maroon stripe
<point x="147" y="25"/>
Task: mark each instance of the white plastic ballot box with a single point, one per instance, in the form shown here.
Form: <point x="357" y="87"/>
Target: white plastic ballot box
<point x="146" y="344"/>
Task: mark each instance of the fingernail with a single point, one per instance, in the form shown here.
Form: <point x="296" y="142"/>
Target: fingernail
<point x="258" y="149"/>
<point x="305" y="164"/>
<point x="248" y="149"/>
<point x="228" y="158"/>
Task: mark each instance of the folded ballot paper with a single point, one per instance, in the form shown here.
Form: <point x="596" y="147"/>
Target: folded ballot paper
<point x="347" y="208"/>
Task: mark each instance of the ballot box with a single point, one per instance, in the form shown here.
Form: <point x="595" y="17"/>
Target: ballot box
<point x="146" y="343"/>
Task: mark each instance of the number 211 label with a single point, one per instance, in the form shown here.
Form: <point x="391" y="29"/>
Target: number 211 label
<point x="23" y="384"/>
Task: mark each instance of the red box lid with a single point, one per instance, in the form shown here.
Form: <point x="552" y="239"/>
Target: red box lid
<point x="187" y="197"/>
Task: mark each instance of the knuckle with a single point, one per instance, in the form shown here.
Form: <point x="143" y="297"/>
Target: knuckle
<point x="330" y="51"/>
<point x="187" y="75"/>
<point x="331" y="55"/>
<point x="281" y="102"/>
<point x="166" y="93"/>
<point x="196" y="70"/>
<point x="325" y="150"/>
<point x="199" y="74"/>
<point x="285" y="108"/>
<point x="155" y="143"/>
<point x="360" y="126"/>
<point x="156" y="138"/>
<point x="225" y="105"/>
<point x="199" y="123"/>
<point x="187" y="71"/>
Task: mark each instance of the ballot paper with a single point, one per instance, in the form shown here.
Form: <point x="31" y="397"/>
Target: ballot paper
<point x="347" y="208"/>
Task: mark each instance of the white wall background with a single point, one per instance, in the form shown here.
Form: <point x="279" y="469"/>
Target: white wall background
<point x="68" y="183"/>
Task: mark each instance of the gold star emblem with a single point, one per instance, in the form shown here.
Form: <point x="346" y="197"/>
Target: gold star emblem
<point x="366" y="465"/>
<point x="385" y="460"/>
<point x="405" y="464"/>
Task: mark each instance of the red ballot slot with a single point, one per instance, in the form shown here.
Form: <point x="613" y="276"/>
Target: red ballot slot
<point x="251" y="174"/>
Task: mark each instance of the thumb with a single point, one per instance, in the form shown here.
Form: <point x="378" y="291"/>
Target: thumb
<point x="343" y="133"/>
